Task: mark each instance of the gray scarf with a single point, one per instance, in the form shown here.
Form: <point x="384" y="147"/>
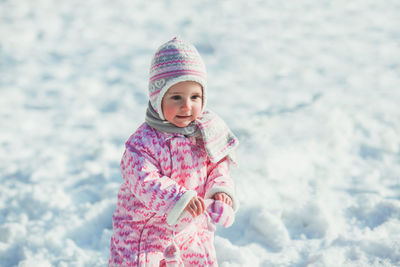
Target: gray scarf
<point x="218" y="139"/>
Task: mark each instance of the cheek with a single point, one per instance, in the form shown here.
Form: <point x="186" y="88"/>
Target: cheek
<point x="164" y="109"/>
<point x="198" y="108"/>
<point x="169" y="111"/>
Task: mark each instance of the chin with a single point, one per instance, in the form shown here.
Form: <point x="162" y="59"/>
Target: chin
<point x="182" y="125"/>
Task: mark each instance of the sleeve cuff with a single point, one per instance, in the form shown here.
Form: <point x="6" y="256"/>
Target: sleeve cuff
<point x="177" y="210"/>
<point x="222" y="189"/>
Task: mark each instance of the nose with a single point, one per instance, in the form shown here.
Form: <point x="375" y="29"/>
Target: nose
<point x="186" y="104"/>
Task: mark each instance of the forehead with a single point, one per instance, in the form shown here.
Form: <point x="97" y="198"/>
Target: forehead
<point x="185" y="87"/>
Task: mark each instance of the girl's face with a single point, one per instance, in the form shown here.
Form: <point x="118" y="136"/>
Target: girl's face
<point x="182" y="103"/>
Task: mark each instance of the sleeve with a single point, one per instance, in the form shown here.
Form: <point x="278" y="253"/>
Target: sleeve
<point x="219" y="181"/>
<point x="158" y="193"/>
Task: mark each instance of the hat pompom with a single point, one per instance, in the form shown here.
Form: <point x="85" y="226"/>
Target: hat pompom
<point x="172" y="256"/>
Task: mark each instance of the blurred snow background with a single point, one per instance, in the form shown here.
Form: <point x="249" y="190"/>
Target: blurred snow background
<point x="310" y="87"/>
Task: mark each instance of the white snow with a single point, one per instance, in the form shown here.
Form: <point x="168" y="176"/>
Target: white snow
<point x="310" y="87"/>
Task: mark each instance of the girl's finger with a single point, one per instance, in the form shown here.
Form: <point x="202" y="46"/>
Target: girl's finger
<point x="189" y="209"/>
<point x="198" y="206"/>
<point x="203" y="205"/>
<point x="194" y="215"/>
<point x="194" y="212"/>
<point x="223" y="198"/>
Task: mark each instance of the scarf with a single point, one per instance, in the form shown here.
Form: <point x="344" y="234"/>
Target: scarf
<point x="218" y="139"/>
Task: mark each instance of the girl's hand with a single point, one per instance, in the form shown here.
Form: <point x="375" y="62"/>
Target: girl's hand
<point x="196" y="206"/>
<point x="223" y="197"/>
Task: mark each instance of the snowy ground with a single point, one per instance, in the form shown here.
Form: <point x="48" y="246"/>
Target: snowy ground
<point x="311" y="88"/>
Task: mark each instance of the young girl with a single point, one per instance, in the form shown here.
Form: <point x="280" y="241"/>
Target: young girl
<point x="175" y="169"/>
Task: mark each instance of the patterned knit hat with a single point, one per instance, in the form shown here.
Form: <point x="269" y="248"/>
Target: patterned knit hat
<point x="175" y="61"/>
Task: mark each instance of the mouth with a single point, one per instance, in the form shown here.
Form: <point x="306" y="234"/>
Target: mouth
<point x="183" y="117"/>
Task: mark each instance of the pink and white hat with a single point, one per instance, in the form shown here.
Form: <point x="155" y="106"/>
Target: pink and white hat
<point x="175" y="61"/>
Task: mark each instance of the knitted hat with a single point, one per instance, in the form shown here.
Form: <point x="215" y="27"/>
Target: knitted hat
<point x="175" y="61"/>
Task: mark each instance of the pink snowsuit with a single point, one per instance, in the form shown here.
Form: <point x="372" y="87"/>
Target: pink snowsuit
<point x="162" y="172"/>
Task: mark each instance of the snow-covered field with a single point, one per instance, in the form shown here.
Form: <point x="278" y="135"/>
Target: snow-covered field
<point x="311" y="88"/>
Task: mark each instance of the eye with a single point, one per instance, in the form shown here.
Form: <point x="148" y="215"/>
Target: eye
<point x="195" y="97"/>
<point x="176" y="97"/>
